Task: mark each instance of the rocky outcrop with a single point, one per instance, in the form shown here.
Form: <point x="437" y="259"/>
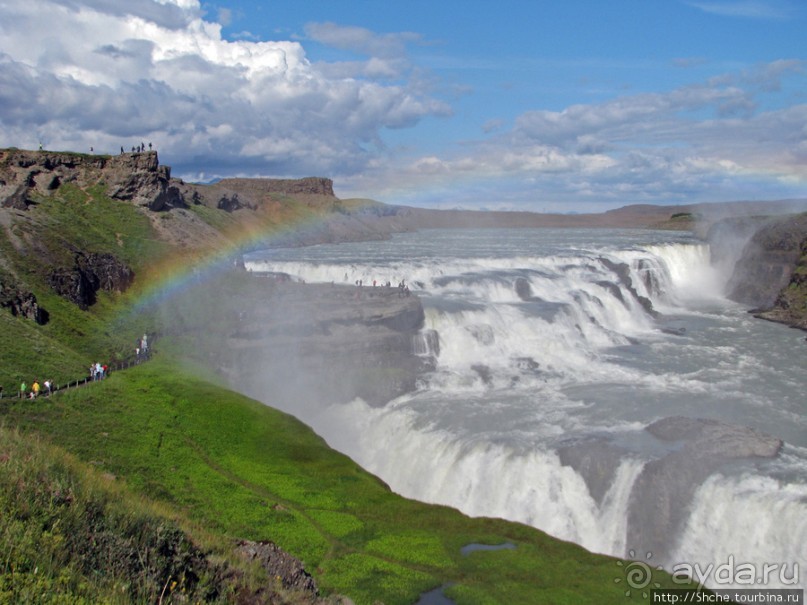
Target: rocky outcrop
<point x="140" y="178"/>
<point x="622" y="271"/>
<point x="790" y="307"/>
<point x="136" y="177"/>
<point x="596" y="460"/>
<point x="295" y="345"/>
<point x="320" y="344"/>
<point x="19" y="198"/>
<point x="21" y="303"/>
<point x="233" y="203"/>
<point x="90" y="273"/>
<point x="278" y="565"/>
<point x="771" y="274"/>
<point x="664" y="490"/>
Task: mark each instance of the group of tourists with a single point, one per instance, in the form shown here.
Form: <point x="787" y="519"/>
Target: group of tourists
<point x="403" y="289"/>
<point x="137" y="148"/>
<point x="37" y="389"/>
<point x="98" y="371"/>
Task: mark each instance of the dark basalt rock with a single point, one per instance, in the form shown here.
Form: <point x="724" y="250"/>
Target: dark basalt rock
<point x="279" y="564"/>
<point x="138" y="177"/>
<point x="19" y="199"/>
<point x="90" y="273"/>
<point x="523" y="289"/>
<point x="622" y="270"/>
<point x="232" y="203"/>
<point x="768" y="261"/>
<point x="22" y="304"/>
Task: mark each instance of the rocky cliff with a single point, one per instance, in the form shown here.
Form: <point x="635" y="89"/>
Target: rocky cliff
<point x="20" y="303"/>
<point x="302" y="344"/>
<point x="78" y="267"/>
<point x="136" y="177"/>
<point x="771" y="274"/>
<point x="90" y="273"/>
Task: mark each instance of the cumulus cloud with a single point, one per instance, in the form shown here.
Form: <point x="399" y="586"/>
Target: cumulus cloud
<point x="701" y="142"/>
<point x="81" y="73"/>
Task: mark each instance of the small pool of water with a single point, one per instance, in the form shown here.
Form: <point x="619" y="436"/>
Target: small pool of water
<point x="469" y="548"/>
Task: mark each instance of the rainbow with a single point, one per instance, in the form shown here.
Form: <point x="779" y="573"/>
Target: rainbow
<point x="178" y="272"/>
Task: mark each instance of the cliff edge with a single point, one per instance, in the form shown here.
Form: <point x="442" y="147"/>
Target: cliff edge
<point x="771" y="274"/>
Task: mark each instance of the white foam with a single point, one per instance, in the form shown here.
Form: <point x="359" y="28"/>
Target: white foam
<point x="749" y="520"/>
<point x="482" y="478"/>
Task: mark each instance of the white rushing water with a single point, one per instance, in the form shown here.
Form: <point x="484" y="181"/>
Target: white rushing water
<point x="553" y="351"/>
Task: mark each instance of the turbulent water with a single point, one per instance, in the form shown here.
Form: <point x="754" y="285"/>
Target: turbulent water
<point x="553" y="351"/>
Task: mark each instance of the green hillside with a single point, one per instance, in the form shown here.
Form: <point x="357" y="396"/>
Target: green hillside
<point x="137" y="488"/>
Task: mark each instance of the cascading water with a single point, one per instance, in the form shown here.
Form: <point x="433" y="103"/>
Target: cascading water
<point x="554" y="351"/>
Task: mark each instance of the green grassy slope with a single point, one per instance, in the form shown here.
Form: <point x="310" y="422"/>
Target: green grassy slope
<point x="72" y="534"/>
<point x="243" y="470"/>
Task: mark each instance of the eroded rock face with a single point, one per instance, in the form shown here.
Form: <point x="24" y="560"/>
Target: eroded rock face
<point x="19" y="198"/>
<point x="279" y="564"/>
<point x="315" y="344"/>
<point x="136" y="177"/>
<point x="90" y="273"/>
<point x="622" y="270"/>
<point x="140" y="178"/>
<point x="21" y="303"/>
<point x="665" y="488"/>
<point x="297" y="345"/>
<point x="768" y="262"/>
<point x="596" y="461"/>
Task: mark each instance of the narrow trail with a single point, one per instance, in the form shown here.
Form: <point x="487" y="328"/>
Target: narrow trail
<point x="86" y="380"/>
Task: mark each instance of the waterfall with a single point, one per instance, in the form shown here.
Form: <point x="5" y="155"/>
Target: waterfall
<point x="550" y="357"/>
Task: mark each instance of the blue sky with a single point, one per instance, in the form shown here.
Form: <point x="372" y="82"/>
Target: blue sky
<point x="573" y="105"/>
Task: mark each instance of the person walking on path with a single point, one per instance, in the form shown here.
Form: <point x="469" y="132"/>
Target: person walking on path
<point x="23" y="389"/>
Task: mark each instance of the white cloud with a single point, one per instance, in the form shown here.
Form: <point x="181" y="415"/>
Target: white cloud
<point x="680" y="146"/>
<point x="751" y="9"/>
<point x="361" y="40"/>
<point x="99" y="73"/>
